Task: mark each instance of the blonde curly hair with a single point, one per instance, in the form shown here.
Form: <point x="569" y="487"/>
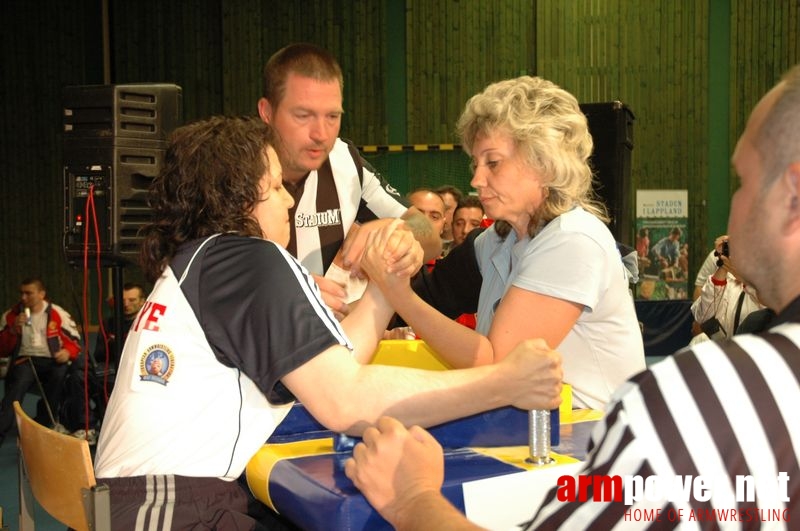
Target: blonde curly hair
<point x="550" y="131"/>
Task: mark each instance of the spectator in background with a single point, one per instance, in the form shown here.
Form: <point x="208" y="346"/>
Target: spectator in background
<point x="41" y="338"/>
<point x="100" y="377"/>
<point x="133" y="297"/>
<point x="466" y="218"/>
<point x="432" y="206"/>
<point x="451" y="197"/>
<point x="725" y="300"/>
<point x="707" y="269"/>
<point x="709" y="266"/>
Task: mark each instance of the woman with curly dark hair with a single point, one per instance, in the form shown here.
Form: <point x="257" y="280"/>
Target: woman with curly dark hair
<point x="235" y="329"/>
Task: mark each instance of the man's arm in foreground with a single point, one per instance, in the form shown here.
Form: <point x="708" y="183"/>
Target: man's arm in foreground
<point x="400" y="471"/>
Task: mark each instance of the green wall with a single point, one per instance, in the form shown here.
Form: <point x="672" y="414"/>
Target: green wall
<point x="690" y="71"/>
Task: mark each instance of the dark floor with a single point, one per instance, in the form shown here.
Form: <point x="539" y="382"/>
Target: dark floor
<point x="9" y="492"/>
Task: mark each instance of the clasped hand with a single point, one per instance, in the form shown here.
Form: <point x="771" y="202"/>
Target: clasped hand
<point x="384" y="248"/>
<point x="391" y="255"/>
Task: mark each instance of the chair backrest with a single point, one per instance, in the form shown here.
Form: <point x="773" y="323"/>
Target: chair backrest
<point x="58" y="466"/>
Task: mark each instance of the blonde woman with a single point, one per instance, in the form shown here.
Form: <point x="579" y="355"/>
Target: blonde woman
<point x="550" y="266"/>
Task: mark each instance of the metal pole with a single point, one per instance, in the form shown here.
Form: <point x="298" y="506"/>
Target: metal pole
<point x="539" y="437"/>
<point x="41" y="390"/>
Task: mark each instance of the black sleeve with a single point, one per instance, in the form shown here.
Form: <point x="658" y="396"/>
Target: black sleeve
<point x="454" y="284"/>
<point x="259" y="311"/>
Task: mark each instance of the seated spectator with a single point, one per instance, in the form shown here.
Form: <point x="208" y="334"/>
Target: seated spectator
<point x="41" y="338"/>
<point x="133" y="297"/>
<point x="724" y="412"/>
<point x="235" y="329"/>
<point x="550" y="267"/>
<point x="725" y="300"/>
<point x="100" y="373"/>
<point x="466" y="218"/>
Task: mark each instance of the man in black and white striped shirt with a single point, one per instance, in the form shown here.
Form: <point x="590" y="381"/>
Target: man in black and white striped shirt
<point x="724" y="411"/>
<point x="334" y="190"/>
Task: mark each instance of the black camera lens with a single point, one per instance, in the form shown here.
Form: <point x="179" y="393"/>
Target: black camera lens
<point x="725" y="252"/>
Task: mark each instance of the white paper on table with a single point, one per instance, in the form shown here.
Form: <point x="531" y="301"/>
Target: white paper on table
<point x="501" y="503"/>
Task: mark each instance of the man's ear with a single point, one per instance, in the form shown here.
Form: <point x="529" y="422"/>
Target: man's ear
<point x="265" y="110"/>
<point x="791" y="182"/>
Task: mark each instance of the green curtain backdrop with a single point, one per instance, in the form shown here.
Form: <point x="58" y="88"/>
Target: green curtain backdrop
<point x="654" y="55"/>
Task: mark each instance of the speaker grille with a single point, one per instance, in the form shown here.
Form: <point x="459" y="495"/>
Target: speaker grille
<point x="115" y="137"/>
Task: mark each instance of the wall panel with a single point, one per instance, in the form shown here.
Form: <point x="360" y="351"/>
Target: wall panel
<point x="650" y="54"/>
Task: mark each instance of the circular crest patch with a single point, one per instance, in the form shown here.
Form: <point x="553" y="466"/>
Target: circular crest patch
<point x="156" y="364"/>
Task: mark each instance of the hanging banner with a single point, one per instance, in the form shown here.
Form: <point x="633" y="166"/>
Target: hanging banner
<point x="662" y="218"/>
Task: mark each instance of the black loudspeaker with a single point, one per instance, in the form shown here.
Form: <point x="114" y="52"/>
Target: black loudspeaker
<point x="115" y="137"/>
<point x="611" y="127"/>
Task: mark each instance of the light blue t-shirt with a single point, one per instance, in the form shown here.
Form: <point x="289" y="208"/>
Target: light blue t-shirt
<point x="574" y="258"/>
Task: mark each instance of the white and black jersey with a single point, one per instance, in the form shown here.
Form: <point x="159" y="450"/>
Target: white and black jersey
<point x="198" y="388"/>
<point x="723" y="411"/>
<point x="328" y="201"/>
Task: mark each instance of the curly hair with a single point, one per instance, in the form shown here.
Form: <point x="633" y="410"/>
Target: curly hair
<point x="209" y="183"/>
<point x="548" y="127"/>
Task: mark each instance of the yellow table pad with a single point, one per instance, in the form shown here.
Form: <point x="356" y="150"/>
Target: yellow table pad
<point x="517" y="456"/>
<point x="260" y="466"/>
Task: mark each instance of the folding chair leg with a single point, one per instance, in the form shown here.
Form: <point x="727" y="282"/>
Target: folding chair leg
<point x="26" y="500"/>
<point x="97" y="505"/>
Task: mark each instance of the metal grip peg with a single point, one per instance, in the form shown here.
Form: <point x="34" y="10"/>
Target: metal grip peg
<point x="539" y="437"/>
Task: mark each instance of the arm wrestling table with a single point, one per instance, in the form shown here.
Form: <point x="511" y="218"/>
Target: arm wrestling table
<point x="299" y="472"/>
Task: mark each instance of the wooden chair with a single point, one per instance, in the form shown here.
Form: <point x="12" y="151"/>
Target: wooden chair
<point x="58" y="470"/>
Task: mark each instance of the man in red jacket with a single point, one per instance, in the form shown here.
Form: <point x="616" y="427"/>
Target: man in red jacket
<point x="41" y="339"/>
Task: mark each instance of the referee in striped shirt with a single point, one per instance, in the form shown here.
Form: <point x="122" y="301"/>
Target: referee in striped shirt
<point x="725" y="411"/>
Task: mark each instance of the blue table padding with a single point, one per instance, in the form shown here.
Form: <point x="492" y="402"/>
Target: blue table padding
<point x="314" y="493"/>
<point x="507" y="426"/>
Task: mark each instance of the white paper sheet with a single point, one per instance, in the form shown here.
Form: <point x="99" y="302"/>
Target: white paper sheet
<point x="501" y="503"/>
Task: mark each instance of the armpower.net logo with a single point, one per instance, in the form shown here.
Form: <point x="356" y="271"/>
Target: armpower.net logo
<point x="680" y="491"/>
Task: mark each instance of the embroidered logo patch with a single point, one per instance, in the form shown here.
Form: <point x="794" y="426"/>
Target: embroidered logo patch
<point x="157" y="364"/>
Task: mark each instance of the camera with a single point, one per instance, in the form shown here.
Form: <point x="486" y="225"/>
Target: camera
<point x="725" y="252"/>
<point x="712" y="327"/>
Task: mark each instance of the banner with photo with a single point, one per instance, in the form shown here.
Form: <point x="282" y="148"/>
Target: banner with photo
<point x="662" y="218"/>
